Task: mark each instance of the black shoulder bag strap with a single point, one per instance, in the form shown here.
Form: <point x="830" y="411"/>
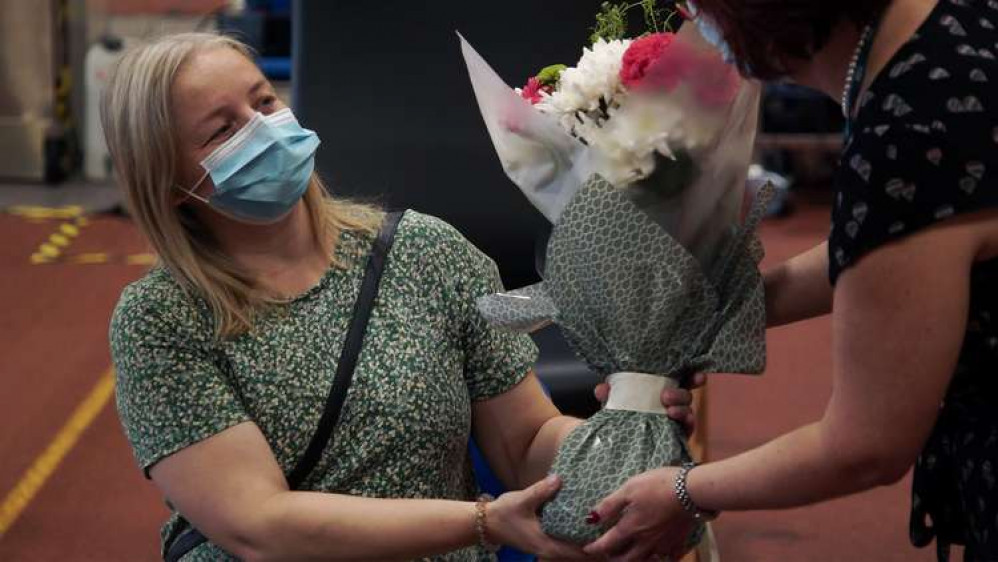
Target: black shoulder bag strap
<point x="186" y="538"/>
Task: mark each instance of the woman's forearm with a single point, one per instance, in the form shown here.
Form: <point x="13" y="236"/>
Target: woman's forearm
<point x="798" y="288"/>
<point x="540" y="455"/>
<point x="796" y="469"/>
<point x="305" y="526"/>
<point x="519" y="432"/>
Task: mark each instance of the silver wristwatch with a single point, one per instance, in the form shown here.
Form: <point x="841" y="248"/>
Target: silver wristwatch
<point x="699" y="515"/>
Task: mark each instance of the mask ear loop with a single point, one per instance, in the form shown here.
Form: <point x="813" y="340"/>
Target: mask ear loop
<point x="191" y="192"/>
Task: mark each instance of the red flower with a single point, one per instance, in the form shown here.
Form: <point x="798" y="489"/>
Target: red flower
<point x="661" y="62"/>
<point x="643" y="63"/>
<point x="532" y="91"/>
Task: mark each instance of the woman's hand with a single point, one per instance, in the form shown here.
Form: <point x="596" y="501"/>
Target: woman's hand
<point x="677" y="401"/>
<point x="648" y="521"/>
<point x="512" y="520"/>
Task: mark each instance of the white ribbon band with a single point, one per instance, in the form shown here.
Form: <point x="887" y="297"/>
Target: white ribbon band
<point x="638" y="392"/>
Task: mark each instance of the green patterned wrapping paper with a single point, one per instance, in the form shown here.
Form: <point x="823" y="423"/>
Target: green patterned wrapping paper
<point x="629" y="298"/>
<point x="599" y="457"/>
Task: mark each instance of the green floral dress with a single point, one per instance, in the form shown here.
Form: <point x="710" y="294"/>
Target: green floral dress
<point x="406" y="422"/>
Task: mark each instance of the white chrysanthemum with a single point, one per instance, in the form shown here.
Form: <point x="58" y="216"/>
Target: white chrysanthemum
<point x="642" y="126"/>
<point x="627" y="142"/>
<point x="596" y="76"/>
<point x="625" y="129"/>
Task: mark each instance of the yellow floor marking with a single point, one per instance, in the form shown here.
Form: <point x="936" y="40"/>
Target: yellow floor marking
<point x="91" y="258"/>
<point x="35" y="212"/>
<point x="39" y="472"/>
<point x="55" y="249"/>
<point x="141" y="259"/>
<point x="48" y="250"/>
<point x="60" y="240"/>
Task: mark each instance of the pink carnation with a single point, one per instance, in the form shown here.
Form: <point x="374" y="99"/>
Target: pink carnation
<point x="532" y="91"/>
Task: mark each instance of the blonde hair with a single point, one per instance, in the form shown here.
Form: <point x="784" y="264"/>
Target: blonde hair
<point x="139" y="128"/>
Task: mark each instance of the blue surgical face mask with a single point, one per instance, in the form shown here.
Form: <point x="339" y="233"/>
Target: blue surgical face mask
<point x="711" y="33"/>
<point x="263" y="171"/>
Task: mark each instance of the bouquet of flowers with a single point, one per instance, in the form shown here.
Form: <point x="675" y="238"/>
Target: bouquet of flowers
<point x="638" y="156"/>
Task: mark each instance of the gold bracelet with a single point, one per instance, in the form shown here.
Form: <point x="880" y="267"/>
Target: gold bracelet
<point x="482" y="523"/>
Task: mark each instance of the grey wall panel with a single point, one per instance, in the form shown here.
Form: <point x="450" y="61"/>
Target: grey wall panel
<point x="384" y="84"/>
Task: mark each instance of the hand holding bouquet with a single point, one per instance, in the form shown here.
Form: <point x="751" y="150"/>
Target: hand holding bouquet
<point x="638" y="155"/>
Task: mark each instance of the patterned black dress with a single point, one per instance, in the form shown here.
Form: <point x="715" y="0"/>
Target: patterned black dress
<point x="924" y="148"/>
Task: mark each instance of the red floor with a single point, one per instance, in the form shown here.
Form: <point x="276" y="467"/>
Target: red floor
<point x="746" y="411"/>
<point x="96" y="506"/>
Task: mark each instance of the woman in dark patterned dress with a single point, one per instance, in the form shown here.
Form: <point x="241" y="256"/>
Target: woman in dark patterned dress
<point x="912" y="263"/>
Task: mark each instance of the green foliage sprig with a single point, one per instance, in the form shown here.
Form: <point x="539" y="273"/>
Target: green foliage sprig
<point x="612" y="19"/>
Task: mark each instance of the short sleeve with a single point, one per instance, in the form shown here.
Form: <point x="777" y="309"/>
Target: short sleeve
<point x="898" y="178"/>
<point x="925" y="142"/>
<point x="170" y="391"/>
<point x="495" y="359"/>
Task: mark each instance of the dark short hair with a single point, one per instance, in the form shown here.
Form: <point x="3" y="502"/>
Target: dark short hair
<point x="767" y="35"/>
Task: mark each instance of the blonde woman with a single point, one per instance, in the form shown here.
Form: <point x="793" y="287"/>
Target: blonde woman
<point x="225" y="353"/>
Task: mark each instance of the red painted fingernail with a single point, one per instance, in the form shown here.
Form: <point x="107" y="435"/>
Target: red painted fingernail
<point x="593" y="518"/>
